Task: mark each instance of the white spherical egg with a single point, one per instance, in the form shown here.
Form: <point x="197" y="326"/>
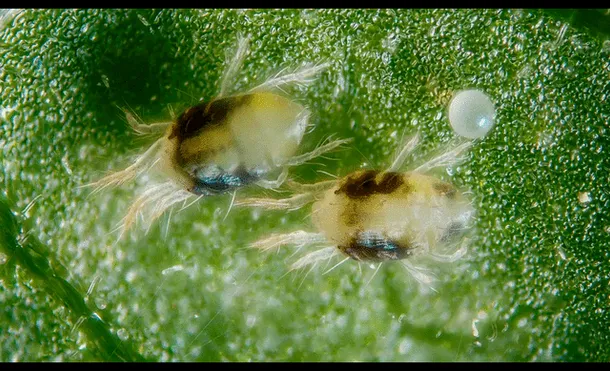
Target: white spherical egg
<point x="471" y="113"/>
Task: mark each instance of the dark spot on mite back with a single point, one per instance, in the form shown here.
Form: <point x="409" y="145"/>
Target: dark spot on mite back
<point x="453" y="230"/>
<point x="365" y="184"/>
<point x="445" y="189"/>
<point x="193" y="120"/>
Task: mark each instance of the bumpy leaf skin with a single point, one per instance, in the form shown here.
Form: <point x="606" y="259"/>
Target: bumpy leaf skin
<point x="534" y="286"/>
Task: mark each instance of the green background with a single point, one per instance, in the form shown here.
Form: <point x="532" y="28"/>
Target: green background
<point x="534" y="286"/>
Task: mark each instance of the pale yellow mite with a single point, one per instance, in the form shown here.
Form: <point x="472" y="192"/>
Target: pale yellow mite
<point x="378" y="216"/>
<point x="218" y="146"/>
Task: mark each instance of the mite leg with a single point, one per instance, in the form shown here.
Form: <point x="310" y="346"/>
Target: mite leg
<point x="143" y="129"/>
<point x="234" y="65"/>
<point x="444" y="159"/>
<point x="273" y="184"/>
<point x="122" y="176"/>
<point x="338" y="264"/>
<point x="179" y="195"/>
<point x="314" y="257"/>
<point x="404" y="152"/>
<point x="151" y="195"/>
<point x="450" y="258"/>
<point x="303" y="75"/>
<point x="298" y="239"/>
<point x="306" y="194"/>
<point x="292" y="203"/>
<point x="310" y="188"/>
<point x="297" y="160"/>
<point x="418" y="274"/>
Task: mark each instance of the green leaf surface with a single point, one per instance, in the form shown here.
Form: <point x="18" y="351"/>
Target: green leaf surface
<point x="534" y="286"/>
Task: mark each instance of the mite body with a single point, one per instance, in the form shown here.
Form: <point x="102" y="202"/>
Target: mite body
<point x="218" y="146"/>
<point x="379" y="216"/>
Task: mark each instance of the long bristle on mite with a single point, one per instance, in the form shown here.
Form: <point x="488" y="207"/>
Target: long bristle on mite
<point x="293" y="203"/>
<point x="117" y="178"/>
<point x="297" y="238"/>
<point x="314" y="257"/>
<point x="161" y="196"/>
<point x="303" y="75"/>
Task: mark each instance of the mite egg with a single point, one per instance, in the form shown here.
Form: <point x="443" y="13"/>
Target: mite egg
<point x="471" y="113"/>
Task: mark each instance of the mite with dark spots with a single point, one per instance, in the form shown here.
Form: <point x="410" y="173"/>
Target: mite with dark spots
<point x="220" y="145"/>
<point x="379" y="216"/>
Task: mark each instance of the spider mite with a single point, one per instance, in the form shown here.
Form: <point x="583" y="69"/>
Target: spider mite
<point x="218" y="146"/>
<point x="379" y="216"/>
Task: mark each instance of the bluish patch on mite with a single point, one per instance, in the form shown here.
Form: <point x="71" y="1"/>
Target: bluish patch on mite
<point x="372" y="246"/>
<point x="221" y="182"/>
<point x="375" y="241"/>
